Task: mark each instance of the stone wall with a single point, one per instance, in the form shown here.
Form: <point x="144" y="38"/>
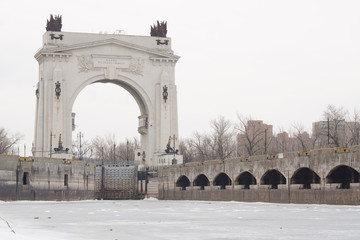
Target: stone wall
<point x="179" y="182"/>
<point x="45" y="179"/>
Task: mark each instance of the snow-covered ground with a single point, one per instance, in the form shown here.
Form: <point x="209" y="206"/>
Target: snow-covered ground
<point x="185" y="220"/>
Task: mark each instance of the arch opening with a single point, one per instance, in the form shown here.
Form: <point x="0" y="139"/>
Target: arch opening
<point x="344" y="175"/>
<point x="127" y="84"/>
<point x="114" y="109"/>
<point x="306" y="177"/>
<point x="246" y="179"/>
<point x="273" y="178"/>
<point x="183" y="182"/>
<point x="222" y="180"/>
<point x="107" y="114"/>
<point x="131" y="87"/>
<point x="202" y="181"/>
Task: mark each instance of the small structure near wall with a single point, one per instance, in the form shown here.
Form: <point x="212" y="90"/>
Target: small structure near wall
<point x="116" y="181"/>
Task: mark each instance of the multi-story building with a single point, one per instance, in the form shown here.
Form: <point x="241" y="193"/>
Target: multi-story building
<point x="255" y="138"/>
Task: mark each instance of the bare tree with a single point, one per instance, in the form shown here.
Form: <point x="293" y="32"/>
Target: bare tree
<point x="81" y="148"/>
<point x="353" y="126"/>
<point x="255" y="137"/>
<point x="302" y="138"/>
<point x="7" y="142"/>
<point x="201" y="144"/>
<point x="335" y="118"/>
<point x="185" y="148"/>
<point x="108" y="150"/>
<point x="222" y="137"/>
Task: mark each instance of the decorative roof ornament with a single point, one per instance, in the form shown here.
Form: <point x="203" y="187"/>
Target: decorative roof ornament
<point x="54" y="24"/>
<point x="159" y="30"/>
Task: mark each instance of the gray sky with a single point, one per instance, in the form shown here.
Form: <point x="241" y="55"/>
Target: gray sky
<point x="279" y="61"/>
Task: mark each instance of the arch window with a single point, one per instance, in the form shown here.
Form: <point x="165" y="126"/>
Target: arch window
<point x="273" y="178"/>
<point x="246" y="179"/>
<point x="222" y="180"/>
<point x="344" y="175"/>
<point x="183" y="182"/>
<point x="306" y="177"/>
<point x="202" y="181"/>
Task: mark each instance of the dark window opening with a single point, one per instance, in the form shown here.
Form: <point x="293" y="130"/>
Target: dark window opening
<point x="306" y="177"/>
<point x="246" y="179"/>
<point x="201" y="181"/>
<point x="343" y="175"/>
<point x="273" y="178"/>
<point x="26" y="178"/>
<point x="222" y="180"/>
<point x="183" y="182"/>
<point x="66" y="180"/>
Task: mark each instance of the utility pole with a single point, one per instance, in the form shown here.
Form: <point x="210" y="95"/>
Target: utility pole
<point x="51" y="135"/>
<point x="174" y="147"/>
<point x="236" y="146"/>
<point x="102" y="172"/>
<point x="265" y="140"/>
<point x="328" y="131"/>
<point x="114" y="152"/>
<point x="80" y="135"/>
<point x="127" y="151"/>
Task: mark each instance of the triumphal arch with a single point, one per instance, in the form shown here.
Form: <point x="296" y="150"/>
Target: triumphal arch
<point x="143" y="65"/>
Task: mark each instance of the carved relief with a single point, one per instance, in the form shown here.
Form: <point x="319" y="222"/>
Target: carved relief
<point x="96" y="63"/>
<point x="85" y="63"/>
<point x="165" y="93"/>
<point x="136" y="66"/>
<point x="57" y="89"/>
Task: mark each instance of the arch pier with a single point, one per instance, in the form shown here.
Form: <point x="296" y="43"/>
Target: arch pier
<point x="325" y="176"/>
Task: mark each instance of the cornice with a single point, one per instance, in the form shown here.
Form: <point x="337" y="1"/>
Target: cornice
<point x="63" y="49"/>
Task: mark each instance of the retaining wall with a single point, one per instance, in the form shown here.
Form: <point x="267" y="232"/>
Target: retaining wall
<point x="45" y="179"/>
<point x="321" y="161"/>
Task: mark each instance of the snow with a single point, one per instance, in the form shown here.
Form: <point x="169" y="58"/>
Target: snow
<point x="153" y="219"/>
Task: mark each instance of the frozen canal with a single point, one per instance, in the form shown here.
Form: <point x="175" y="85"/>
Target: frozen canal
<point x="185" y="220"/>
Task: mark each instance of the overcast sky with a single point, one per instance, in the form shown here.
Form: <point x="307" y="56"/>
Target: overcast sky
<point x="279" y="61"/>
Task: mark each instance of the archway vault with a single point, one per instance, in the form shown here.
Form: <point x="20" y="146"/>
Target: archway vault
<point x="139" y="94"/>
<point x="136" y="63"/>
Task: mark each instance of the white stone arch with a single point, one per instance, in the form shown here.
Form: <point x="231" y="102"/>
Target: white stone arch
<point x="140" y="96"/>
<point x="68" y="62"/>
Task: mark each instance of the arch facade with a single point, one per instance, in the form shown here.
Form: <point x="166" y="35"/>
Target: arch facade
<point x="222" y="180"/>
<point x="246" y="179"/>
<point x="138" y="64"/>
<point x="183" y="182"/>
<point x="202" y="181"/>
<point x="273" y="178"/>
<point x="344" y="175"/>
<point x="306" y="177"/>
